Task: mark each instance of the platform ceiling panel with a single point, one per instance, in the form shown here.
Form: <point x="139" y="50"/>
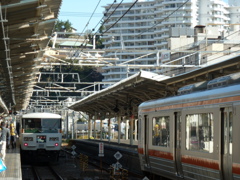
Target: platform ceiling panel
<point x="26" y="27"/>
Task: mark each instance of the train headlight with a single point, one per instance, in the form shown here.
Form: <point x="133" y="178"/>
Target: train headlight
<point x="54" y="139"/>
<point x="56" y="144"/>
<point x="25" y="144"/>
<point x="28" y="138"/>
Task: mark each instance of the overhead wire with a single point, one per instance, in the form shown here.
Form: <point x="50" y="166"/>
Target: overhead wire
<point x="112" y="14"/>
<point x="80" y="14"/>
<point x="120" y="17"/>
<point x="108" y="18"/>
<point x="165" y="17"/>
<point x="92" y="15"/>
<point x="109" y="15"/>
<point x="154" y="24"/>
<point x="71" y="59"/>
<point x="84" y="42"/>
<point x="86" y="26"/>
<point x="106" y="14"/>
<point x="128" y="11"/>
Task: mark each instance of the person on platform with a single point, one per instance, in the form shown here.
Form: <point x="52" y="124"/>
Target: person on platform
<point x="5" y="132"/>
<point x="13" y="135"/>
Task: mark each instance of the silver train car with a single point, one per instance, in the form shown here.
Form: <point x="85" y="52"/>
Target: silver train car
<point x="193" y="135"/>
<point x="41" y="135"/>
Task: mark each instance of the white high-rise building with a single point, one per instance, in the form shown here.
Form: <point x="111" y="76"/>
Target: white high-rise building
<point x="234" y="14"/>
<point x="147" y="28"/>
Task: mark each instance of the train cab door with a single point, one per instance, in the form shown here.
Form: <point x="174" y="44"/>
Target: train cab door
<point x="226" y="144"/>
<point x="177" y="144"/>
<point x="146" y="137"/>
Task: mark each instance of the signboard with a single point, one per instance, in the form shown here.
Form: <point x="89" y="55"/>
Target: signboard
<point x="117" y="166"/>
<point x="118" y="155"/>
<point x="101" y="150"/>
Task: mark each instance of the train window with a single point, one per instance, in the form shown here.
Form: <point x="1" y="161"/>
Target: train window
<point x="50" y="125"/>
<point x="32" y="125"/>
<point x="228" y="123"/>
<point x="161" y="131"/>
<point x="41" y="125"/>
<point x="230" y="132"/>
<point x="199" y="132"/>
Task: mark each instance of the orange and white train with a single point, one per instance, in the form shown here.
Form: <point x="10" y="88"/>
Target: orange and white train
<point x="194" y="135"/>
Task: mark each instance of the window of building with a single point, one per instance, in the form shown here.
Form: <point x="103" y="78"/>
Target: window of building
<point x="199" y="132"/>
<point x="160" y="133"/>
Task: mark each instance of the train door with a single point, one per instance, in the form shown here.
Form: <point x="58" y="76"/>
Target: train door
<point x="177" y="143"/>
<point x="226" y="144"/>
<point x="146" y="137"/>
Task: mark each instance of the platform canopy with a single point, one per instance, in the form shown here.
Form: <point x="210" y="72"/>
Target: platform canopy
<point x="124" y="97"/>
<point x="26" y="28"/>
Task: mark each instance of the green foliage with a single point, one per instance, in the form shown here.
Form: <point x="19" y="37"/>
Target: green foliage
<point x="98" y="40"/>
<point x="63" y="26"/>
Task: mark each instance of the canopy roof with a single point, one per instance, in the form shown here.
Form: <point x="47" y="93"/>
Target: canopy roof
<point x="26" y="27"/>
<point x="124" y="97"/>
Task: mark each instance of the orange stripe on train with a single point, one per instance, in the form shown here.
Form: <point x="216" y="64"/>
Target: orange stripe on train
<point x="236" y="168"/>
<point x="208" y="163"/>
<point x="155" y="153"/>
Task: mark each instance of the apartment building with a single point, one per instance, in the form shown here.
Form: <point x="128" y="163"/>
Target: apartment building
<point x="147" y="34"/>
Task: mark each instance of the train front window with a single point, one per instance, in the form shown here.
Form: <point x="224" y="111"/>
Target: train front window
<point x="31" y="125"/>
<point x="199" y="132"/>
<point x="160" y="136"/>
<point x="41" y="125"/>
<point x="50" y="125"/>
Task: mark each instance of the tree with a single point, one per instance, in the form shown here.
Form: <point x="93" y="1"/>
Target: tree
<point x="63" y="26"/>
<point x="98" y="40"/>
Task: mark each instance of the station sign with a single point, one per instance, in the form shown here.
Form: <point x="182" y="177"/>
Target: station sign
<point x="101" y="150"/>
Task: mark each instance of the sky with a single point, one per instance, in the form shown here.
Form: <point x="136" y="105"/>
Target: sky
<point x="78" y="12"/>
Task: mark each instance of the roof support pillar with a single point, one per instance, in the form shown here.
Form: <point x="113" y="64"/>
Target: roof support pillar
<point x="89" y="126"/>
<point x="94" y="126"/>
<point x="119" y="128"/>
<point x="131" y="129"/>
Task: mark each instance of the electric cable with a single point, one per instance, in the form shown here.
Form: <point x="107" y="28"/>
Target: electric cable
<point x="165" y="17"/>
<point x="120" y="17"/>
<point x="108" y="16"/>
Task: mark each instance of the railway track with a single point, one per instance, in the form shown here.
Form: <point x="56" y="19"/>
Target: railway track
<point x="44" y="172"/>
<point x="69" y="168"/>
<point x="97" y="167"/>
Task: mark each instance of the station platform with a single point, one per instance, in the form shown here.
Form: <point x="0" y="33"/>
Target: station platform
<point x="13" y="163"/>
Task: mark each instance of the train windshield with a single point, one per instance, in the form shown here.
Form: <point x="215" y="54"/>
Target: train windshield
<point x="41" y="125"/>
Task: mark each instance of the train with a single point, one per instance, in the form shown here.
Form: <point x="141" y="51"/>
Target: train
<point x="194" y="134"/>
<point x="40" y="136"/>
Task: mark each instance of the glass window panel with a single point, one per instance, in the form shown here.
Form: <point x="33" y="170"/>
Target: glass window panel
<point x="230" y="131"/>
<point x="199" y="132"/>
<point x="161" y="131"/>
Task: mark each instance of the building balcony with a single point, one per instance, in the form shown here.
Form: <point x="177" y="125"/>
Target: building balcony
<point x="161" y="30"/>
<point x="160" y="44"/>
<point x="166" y="2"/>
<point x="166" y="36"/>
